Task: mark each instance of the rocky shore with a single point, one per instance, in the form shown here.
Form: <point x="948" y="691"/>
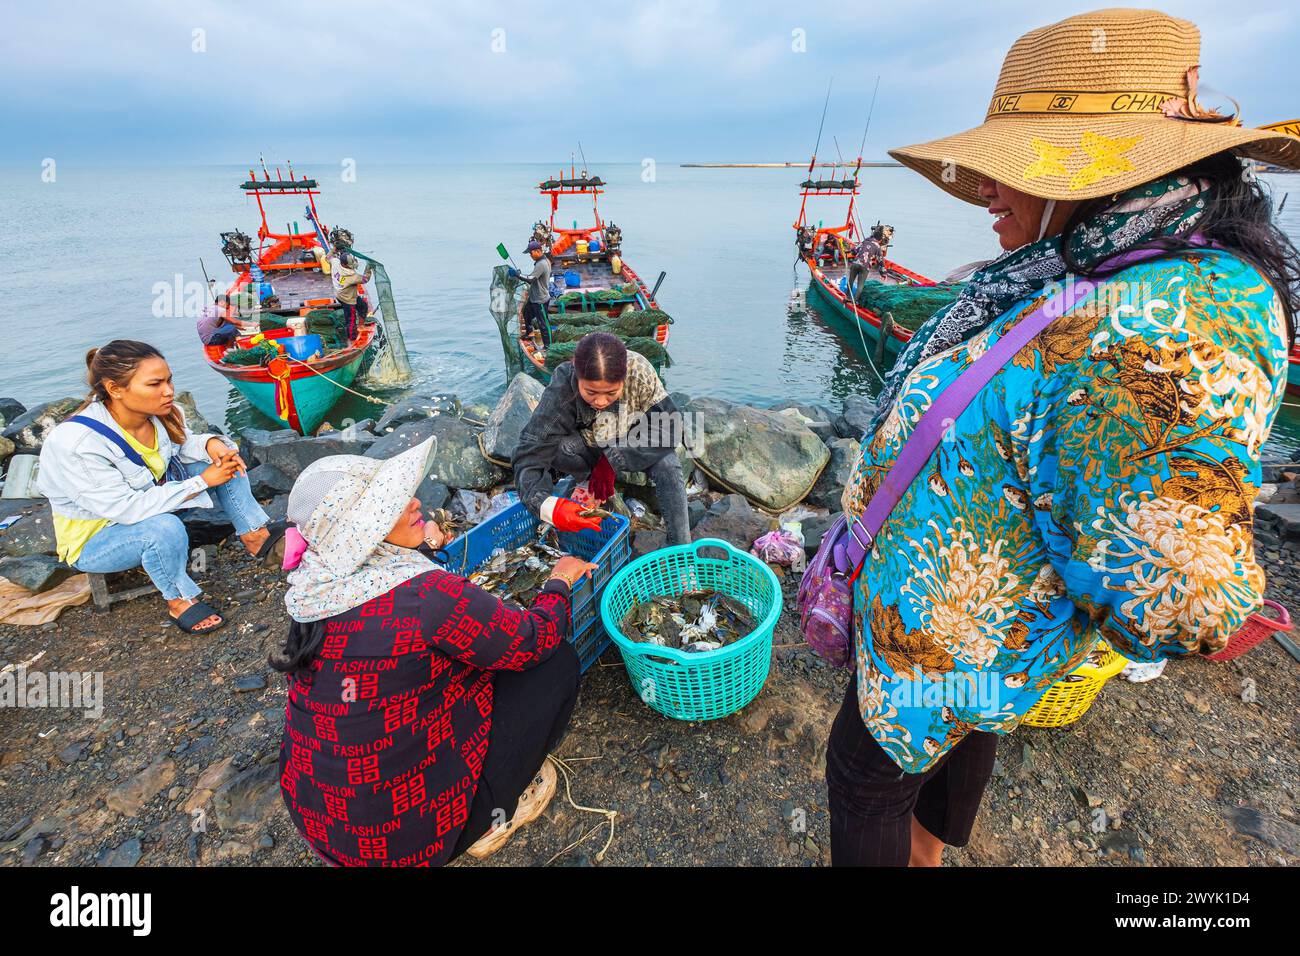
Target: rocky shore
<point x="1196" y="768"/>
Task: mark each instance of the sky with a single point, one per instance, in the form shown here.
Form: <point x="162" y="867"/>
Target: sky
<point x="136" y="82"/>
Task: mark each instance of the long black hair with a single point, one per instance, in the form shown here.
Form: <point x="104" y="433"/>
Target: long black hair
<point x="301" y="645"/>
<point x="1238" y="217"/>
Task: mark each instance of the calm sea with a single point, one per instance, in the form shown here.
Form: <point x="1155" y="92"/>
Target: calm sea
<point x="89" y="256"/>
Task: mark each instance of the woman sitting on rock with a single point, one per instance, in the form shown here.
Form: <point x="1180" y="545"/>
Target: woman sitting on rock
<point x="118" y="471"/>
<point x="1099" y="486"/>
<point x="421" y="708"/>
<point x="603" y="414"/>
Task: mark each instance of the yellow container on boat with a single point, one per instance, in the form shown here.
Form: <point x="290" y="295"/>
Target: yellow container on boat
<point x="581" y="247"/>
<point x="1070" y="697"/>
<point x="616" y="264"/>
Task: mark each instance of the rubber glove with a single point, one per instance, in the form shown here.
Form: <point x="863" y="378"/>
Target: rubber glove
<point x="601" y="482"/>
<point x="567" y="516"/>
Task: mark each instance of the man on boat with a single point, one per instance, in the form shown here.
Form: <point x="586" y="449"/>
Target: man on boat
<point x="215" y="326"/>
<point x="536" y="296"/>
<point x="347" y="282"/>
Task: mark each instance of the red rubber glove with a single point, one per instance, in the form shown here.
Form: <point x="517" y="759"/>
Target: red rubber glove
<point x="567" y="516"/>
<point x="601" y="482"/>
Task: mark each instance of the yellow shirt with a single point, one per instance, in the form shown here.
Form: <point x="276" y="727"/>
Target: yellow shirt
<point x="72" y="534"/>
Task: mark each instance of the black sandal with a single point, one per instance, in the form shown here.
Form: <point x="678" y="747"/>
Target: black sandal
<point x="195" y="613"/>
<point x="275" y="535"/>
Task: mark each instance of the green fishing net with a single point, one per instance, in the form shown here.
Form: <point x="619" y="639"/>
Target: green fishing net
<point x="257" y="355"/>
<point x="910" y="305"/>
<point x="636" y="323"/>
<point x="621" y="293"/>
<point x="385" y="362"/>
<point x="560" y="352"/>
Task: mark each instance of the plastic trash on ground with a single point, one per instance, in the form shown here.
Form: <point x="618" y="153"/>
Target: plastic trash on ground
<point x="1139" y="672"/>
<point x="781" y="547"/>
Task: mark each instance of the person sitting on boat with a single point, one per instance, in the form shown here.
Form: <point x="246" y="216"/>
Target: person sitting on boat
<point x="118" y="471"/>
<point x="1098" y="487"/>
<point x="348" y="282"/>
<point x="421" y="708"/>
<point x="830" y="248"/>
<point x="604" y="413"/>
<point x="536" y="296"/>
<point x="215" y="326"/>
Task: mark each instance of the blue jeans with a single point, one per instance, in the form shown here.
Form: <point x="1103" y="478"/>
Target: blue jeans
<point x="161" y="545"/>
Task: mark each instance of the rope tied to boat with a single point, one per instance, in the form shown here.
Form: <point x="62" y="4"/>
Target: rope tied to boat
<point x="368" y="398"/>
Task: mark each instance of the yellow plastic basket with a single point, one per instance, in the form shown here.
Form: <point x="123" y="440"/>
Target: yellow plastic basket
<point x="1070" y="697"/>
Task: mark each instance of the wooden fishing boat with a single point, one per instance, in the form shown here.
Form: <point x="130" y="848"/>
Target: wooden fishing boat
<point x="825" y="251"/>
<point x="827" y="290"/>
<point x="584" y="260"/>
<point x="299" y="391"/>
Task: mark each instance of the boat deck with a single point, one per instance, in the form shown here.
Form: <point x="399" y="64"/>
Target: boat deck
<point x="834" y="271"/>
<point x="596" y="274"/>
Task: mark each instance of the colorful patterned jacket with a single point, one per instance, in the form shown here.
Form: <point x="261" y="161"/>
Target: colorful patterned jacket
<point x="1099" y="486"/>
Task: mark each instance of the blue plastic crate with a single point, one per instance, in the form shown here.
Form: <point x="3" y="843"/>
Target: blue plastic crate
<point x="608" y="548"/>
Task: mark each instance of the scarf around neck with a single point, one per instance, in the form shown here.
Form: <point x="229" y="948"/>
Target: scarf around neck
<point x="1171" y="206"/>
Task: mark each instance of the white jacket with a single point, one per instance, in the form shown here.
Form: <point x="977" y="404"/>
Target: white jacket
<point x="87" y="476"/>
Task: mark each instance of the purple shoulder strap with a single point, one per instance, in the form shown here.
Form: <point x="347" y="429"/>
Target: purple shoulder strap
<point x="951" y="402"/>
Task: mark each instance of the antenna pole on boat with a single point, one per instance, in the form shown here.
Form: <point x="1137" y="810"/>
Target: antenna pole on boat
<point x="862" y="146"/>
<point x="803" y="206"/>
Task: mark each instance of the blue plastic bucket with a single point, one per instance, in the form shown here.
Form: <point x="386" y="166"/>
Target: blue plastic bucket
<point x="302" y="347"/>
<point x="572" y="279"/>
<point x="593" y="245"/>
<point x="607" y="548"/>
<point x="711" y="684"/>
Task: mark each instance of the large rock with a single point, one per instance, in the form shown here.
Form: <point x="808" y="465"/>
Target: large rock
<point x="819" y="418"/>
<point x="7" y="448"/>
<point x="432" y="493"/>
<point x="830" y="486"/>
<point x="31" y="534"/>
<point x="458" y="462"/>
<point x="814" y="529"/>
<point x="510" y="416"/>
<point x="129" y="798"/>
<point x="289" y="452"/>
<point x="29" y="429"/>
<point x="267" y="481"/>
<point x="733" y="519"/>
<point x="857" y="414"/>
<point x="771" y="458"/>
<point x="194" y="419"/>
<point x="35" y="572"/>
<point x="250" y="799"/>
<point x="417" y="409"/>
<point x="10" y="408"/>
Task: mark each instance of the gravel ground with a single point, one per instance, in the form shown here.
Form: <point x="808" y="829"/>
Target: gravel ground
<point x="181" y="767"/>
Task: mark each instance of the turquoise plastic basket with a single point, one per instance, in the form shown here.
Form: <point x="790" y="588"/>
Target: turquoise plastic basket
<point x="711" y="684"/>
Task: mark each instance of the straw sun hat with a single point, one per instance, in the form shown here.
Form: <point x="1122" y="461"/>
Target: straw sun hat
<point x="1092" y="106"/>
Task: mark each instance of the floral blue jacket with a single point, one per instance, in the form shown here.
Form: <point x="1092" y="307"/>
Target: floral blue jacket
<point x="1099" y="486"/>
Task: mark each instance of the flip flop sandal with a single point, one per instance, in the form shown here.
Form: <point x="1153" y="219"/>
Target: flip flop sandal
<point x="195" y="613"/>
<point x="271" y="553"/>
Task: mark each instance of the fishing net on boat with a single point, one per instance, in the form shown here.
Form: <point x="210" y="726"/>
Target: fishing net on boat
<point x="637" y="323"/>
<point x="503" y="303"/>
<point x="257" y="355"/>
<point x="385" y="362"/>
<point x="330" y="324"/>
<point x="626" y="292"/>
<point x="560" y="352"/>
<point x="910" y="305"/>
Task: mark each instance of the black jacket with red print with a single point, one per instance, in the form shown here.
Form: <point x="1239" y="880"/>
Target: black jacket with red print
<point x="386" y="733"/>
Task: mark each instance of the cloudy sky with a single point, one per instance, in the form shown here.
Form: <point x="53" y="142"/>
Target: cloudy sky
<point x="133" y="81"/>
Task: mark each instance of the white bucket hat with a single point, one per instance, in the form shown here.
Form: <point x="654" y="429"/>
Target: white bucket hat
<point x="343" y="507"/>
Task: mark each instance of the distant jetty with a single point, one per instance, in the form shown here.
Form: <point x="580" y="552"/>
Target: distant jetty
<point x="878" y="165"/>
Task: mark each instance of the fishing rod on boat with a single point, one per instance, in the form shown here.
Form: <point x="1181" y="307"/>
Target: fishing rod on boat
<point x="210" y="283"/>
<point x="863" y="145"/>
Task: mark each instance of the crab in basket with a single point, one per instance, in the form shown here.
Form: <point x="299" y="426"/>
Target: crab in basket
<point x="695" y="621"/>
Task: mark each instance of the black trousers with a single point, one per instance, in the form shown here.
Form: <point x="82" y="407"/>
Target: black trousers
<point x="535" y="318"/>
<point x="872" y="800"/>
<point x="530" y="714"/>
